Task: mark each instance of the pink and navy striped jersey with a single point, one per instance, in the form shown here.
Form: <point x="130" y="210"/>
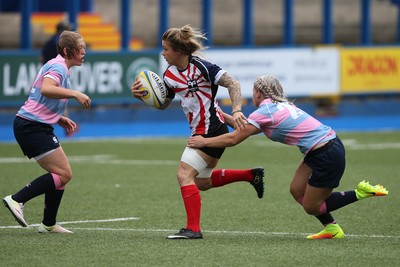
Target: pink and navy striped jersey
<point x="285" y="123"/>
<point x="196" y="87"/>
<point x="43" y="109"/>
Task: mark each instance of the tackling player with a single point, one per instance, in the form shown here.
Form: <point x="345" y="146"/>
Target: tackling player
<point x="324" y="162"/>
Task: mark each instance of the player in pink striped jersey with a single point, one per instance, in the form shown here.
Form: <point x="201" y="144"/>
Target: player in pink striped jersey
<point x="195" y="82"/>
<point x="34" y="132"/>
<point x="324" y="162"/>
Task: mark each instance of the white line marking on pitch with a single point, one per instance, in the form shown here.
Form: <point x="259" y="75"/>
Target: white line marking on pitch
<point x="171" y="230"/>
<point x="226" y="232"/>
<point x="84" y="221"/>
<point x="96" y="159"/>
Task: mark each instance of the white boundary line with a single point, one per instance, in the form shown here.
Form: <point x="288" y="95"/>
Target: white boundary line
<point x="96" y="159"/>
<point x="84" y="221"/>
<point x="171" y="230"/>
<point x="229" y="232"/>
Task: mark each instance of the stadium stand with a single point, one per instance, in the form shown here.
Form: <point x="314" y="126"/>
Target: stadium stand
<point x="268" y="22"/>
<point x="99" y="35"/>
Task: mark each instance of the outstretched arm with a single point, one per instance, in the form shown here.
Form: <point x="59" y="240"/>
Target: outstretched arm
<point x="228" y="118"/>
<point x="225" y="140"/>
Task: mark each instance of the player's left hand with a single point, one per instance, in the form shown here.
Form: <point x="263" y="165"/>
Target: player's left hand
<point x="196" y="141"/>
<point x="68" y="124"/>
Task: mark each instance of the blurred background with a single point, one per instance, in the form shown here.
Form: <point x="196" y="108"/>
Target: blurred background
<point x="339" y="60"/>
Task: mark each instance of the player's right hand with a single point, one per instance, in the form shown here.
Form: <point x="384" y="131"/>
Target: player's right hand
<point x="135" y="89"/>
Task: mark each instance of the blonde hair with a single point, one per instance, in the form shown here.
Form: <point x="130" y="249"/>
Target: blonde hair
<point x="68" y="40"/>
<point x="270" y="87"/>
<point x="186" y="39"/>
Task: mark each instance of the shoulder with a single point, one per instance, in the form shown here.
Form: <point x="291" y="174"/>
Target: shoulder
<point x="170" y="73"/>
<point x="202" y="62"/>
<point x="56" y="69"/>
<point x="59" y="67"/>
<point x="266" y="109"/>
<point x="209" y="70"/>
<point x="170" y="68"/>
<point x="195" y="59"/>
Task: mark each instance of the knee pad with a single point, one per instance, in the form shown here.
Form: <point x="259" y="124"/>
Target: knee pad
<point x="206" y="173"/>
<point x="192" y="158"/>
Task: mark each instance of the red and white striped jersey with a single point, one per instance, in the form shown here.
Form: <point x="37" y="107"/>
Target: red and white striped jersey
<point x="196" y="87"/>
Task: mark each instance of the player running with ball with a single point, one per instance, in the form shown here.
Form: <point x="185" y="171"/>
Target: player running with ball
<point x="324" y="162"/>
<point x="195" y="82"/>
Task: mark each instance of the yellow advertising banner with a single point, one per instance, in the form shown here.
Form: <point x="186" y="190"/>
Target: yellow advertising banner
<point x="372" y="70"/>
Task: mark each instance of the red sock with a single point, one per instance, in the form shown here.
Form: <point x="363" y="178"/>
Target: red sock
<point x="223" y="177"/>
<point x="192" y="201"/>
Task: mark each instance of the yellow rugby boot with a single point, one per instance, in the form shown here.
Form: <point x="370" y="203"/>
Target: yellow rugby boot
<point x="365" y="190"/>
<point x="330" y="231"/>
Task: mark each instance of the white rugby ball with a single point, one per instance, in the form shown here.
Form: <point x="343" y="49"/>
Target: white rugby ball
<point x="154" y="87"/>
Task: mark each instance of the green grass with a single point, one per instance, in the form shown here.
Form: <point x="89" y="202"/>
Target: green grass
<point x="137" y="178"/>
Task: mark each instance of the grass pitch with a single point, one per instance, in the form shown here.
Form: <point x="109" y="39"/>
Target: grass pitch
<point x="124" y="199"/>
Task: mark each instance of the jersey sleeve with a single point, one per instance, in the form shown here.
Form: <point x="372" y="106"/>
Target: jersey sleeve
<point x="261" y="118"/>
<point x="56" y="72"/>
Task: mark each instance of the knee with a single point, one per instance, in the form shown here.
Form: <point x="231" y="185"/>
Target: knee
<point x="180" y="177"/>
<point x="296" y="192"/>
<point x="203" y="184"/>
<point x="202" y="188"/>
<point x="311" y="209"/>
<point x="65" y="176"/>
<point x="292" y="192"/>
<point x="184" y="178"/>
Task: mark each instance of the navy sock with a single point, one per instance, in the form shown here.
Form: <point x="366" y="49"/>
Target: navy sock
<point x="325" y="218"/>
<point x="52" y="200"/>
<point x="338" y="200"/>
<point x="39" y="186"/>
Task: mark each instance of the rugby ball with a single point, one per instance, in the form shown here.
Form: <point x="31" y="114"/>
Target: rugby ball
<point x="153" y="85"/>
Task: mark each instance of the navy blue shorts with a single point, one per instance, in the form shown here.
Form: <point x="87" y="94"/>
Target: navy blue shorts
<point x="215" y="152"/>
<point x="33" y="137"/>
<point x="327" y="164"/>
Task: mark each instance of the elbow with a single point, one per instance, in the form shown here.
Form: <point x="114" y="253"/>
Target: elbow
<point x="162" y="107"/>
<point x="165" y="104"/>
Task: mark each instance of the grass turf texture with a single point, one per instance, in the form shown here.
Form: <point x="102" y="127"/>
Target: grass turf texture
<point x="137" y="178"/>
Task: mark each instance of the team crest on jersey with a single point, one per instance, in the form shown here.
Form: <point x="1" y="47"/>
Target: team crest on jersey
<point x="192" y="86"/>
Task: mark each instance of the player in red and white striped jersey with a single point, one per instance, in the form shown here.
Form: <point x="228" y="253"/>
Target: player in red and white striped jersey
<point x="195" y="82"/>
